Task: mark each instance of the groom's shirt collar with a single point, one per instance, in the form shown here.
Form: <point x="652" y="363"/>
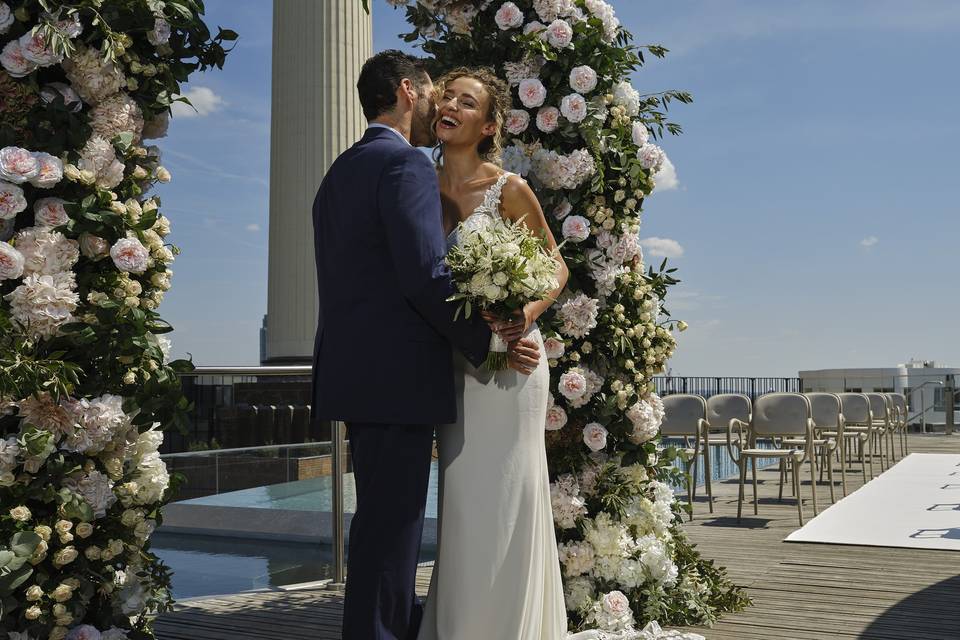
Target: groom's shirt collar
<point x="384" y="126"/>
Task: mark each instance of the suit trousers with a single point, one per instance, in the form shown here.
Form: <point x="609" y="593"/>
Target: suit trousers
<point x="391" y="467"/>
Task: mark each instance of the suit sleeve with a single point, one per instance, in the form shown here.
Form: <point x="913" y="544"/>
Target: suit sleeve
<point x="409" y="204"/>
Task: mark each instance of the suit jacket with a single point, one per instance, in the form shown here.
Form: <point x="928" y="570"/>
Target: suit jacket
<point x="383" y="345"/>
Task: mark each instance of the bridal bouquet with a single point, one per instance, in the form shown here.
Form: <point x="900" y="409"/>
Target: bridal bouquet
<point x="499" y="266"/>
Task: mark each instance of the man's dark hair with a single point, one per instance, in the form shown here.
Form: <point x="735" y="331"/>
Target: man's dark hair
<point x="380" y="77"/>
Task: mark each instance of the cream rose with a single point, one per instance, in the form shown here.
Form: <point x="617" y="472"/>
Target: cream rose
<point x="20" y="514"/>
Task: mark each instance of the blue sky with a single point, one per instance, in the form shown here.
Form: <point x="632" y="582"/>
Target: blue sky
<point x="814" y="207"/>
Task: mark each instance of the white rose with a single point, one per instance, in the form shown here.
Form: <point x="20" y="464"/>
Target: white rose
<point x="12" y="200"/>
<point x="572" y="385"/>
<point x="65" y="556"/>
<point x="563" y="210"/>
<point x="6" y="17"/>
<point x="640" y="133"/>
<point x="11" y="262"/>
<point x="34" y="593"/>
<point x="553" y="347"/>
<point x="492" y="292"/>
<point x="595" y="436"/>
<point x="93" y="247"/>
<point x="49" y="212"/>
<point x="616" y="603"/>
<point x="517" y="121"/>
<point x="535" y="26"/>
<point x="18" y="165"/>
<point x="50" y="173"/>
<point x="573" y="107"/>
<point x="160" y="34"/>
<point x="576" y="228"/>
<point x="32" y="613"/>
<point x="583" y="79"/>
<point x="559" y="34"/>
<point x="547" y="119"/>
<point x="129" y="255"/>
<point x="556" y="418"/>
<point x="532" y="93"/>
<point x="14" y="61"/>
<point x="62" y="593"/>
<point x="20" y="514"/>
<point x="508" y="16"/>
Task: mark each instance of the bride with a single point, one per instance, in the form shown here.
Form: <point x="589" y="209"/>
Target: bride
<point x="497" y="573"/>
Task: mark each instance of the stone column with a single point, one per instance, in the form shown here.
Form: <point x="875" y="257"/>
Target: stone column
<point x="318" y="49"/>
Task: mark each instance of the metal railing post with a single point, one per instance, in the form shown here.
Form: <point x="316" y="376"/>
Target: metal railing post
<point x="337" y="470"/>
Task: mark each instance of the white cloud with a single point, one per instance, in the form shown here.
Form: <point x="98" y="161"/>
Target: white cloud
<point x="666" y="178"/>
<point x="253" y="227"/>
<point x="869" y="241"/>
<point x="661" y="247"/>
<point x="204" y="102"/>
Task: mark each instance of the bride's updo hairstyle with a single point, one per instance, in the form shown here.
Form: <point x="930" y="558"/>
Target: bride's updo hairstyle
<point x="499" y="102"/>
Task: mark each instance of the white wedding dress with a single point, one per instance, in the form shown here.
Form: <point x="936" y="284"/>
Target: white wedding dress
<point x="496" y="575"/>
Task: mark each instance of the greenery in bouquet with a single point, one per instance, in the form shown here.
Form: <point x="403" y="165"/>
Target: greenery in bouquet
<point x="589" y="144"/>
<point x="86" y="381"/>
<point x="499" y="266"/>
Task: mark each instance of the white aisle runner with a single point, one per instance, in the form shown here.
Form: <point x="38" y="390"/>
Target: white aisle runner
<point x="916" y="504"/>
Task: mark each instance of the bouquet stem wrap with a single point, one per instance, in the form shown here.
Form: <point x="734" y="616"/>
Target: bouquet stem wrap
<point x="497" y="357"/>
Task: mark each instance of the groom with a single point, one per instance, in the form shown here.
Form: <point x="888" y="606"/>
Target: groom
<point x="382" y="358"/>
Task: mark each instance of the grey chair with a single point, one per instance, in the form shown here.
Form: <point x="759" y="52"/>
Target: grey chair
<point x="858" y="418"/>
<point x="685" y="417"/>
<point x="829" y="435"/>
<point x="778" y="417"/>
<point x="899" y="405"/>
<point x="721" y="410"/>
<point x="881" y="420"/>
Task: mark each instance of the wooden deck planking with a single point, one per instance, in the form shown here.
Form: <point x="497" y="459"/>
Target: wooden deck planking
<point x="801" y="591"/>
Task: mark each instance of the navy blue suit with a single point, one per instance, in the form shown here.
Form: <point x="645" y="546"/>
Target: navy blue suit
<point x="383" y="361"/>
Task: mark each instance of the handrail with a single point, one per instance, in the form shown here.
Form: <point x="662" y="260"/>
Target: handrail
<point x="207" y="452"/>
<point x="291" y="370"/>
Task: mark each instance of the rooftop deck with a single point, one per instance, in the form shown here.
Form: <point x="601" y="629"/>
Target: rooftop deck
<point x="800" y="591"/>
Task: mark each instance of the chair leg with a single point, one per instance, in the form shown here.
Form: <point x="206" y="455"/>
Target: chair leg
<point x="707" y="472"/>
<point x="743" y="479"/>
<point x="863" y="465"/>
<point x="833" y="497"/>
<point x="693" y="478"/>
<point x="843" y="468"/>
<point x="813" y="482"/>
<point x="870" y="441"/>
<point x="783" y="475"/>
<point x="753" y="469"/>
<point x="690" y="490"/>
<point x="795" y="468"/>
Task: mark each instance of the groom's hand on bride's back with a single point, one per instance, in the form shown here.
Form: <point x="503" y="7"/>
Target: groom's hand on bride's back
<point x="523" y="355"/>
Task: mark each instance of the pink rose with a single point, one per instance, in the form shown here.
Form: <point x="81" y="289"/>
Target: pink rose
<point x="93" y="247"/>
<point x="12" y="200"/>
<point x="563" y="210"/>
<point x="11" y="262"/>
<point x="576" y="228"/>
<point x="595" y="436"/>
<point x="51" y="171"/>
<point x="129" y="255"/>
<point x="553" y="347"/>
<point x="36" y="49"/>
<point x="573" y="107"/>
<point x="532" y="92"/>
<point x="49" y="212"/>
<point x="583" y="79"/>
<point x="547" y="119"/>
<point x="517" y="121"/>
<point x="508" y="16"/>
<point x="14" y="62"/>
<point x="556" y="418"/>
<point x="559" y="34"/>
<point x="572" y="385"/>
<point x="18" y="165"/>
<point x="616" y="603"/>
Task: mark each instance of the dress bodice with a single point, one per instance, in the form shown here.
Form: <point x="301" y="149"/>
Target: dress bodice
<point x="490" y="207"/>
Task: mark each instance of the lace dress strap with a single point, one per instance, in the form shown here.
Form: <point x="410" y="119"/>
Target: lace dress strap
<point x="491" y="199"/>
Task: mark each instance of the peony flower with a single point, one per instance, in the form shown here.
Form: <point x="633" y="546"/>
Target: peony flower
<point x="508" y="16"/>
<point x="553" y="347"/>
<point x="532" y="92"/>
<point x="604" y="12"/>
<point x="18" y="165"/>
<point x="559" y="34"/>
<point x="576" y="228"/>
<point x="547" y="119"/>
<point x="573" y="107"/>
<point x="160" y="34"/>
<point x="100" y="159"/>
<point x="650" y="156"/>
<point x="43" y="303"/>
<point x="583" y="79"/>
<point x="640" y="133"/>
<point x="627" y="97"/>
<point x="46" y="252"/>
<point x="94" y="78"/>
<point x="517" y="121"/>
<point x="14" y="61"/>
<point x="595" y="436"/>
<point x="550" y="10"/>
<point x="129" y="255"/>
<point x="6" y="18"/>
<point x="49" y="212"/>
<point x="96" y="489"/>
<point x="572" y="384"/>
<point x="556" y="418"/>
<point x="578" y="315"/>
<point x="12" y="200"/>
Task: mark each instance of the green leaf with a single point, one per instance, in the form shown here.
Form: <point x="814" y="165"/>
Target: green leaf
<point x="5" y="557"/>
<point x="24" y="543"/>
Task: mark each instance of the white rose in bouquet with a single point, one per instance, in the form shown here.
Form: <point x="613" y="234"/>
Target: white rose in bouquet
<point x="583" y="79"/>
<point x="627" y="97"/>
<point x="556" y="418"/>
<point x="12" y="200"/>
<point x="532" y="92"/>
<point x="554" y="348"/>
<point x="50" y="172"/>
<point x="572" y="384"/>
<point x="640" y="133"/>
<point x="129" y="255"/>
<point x="508" y="16"/>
